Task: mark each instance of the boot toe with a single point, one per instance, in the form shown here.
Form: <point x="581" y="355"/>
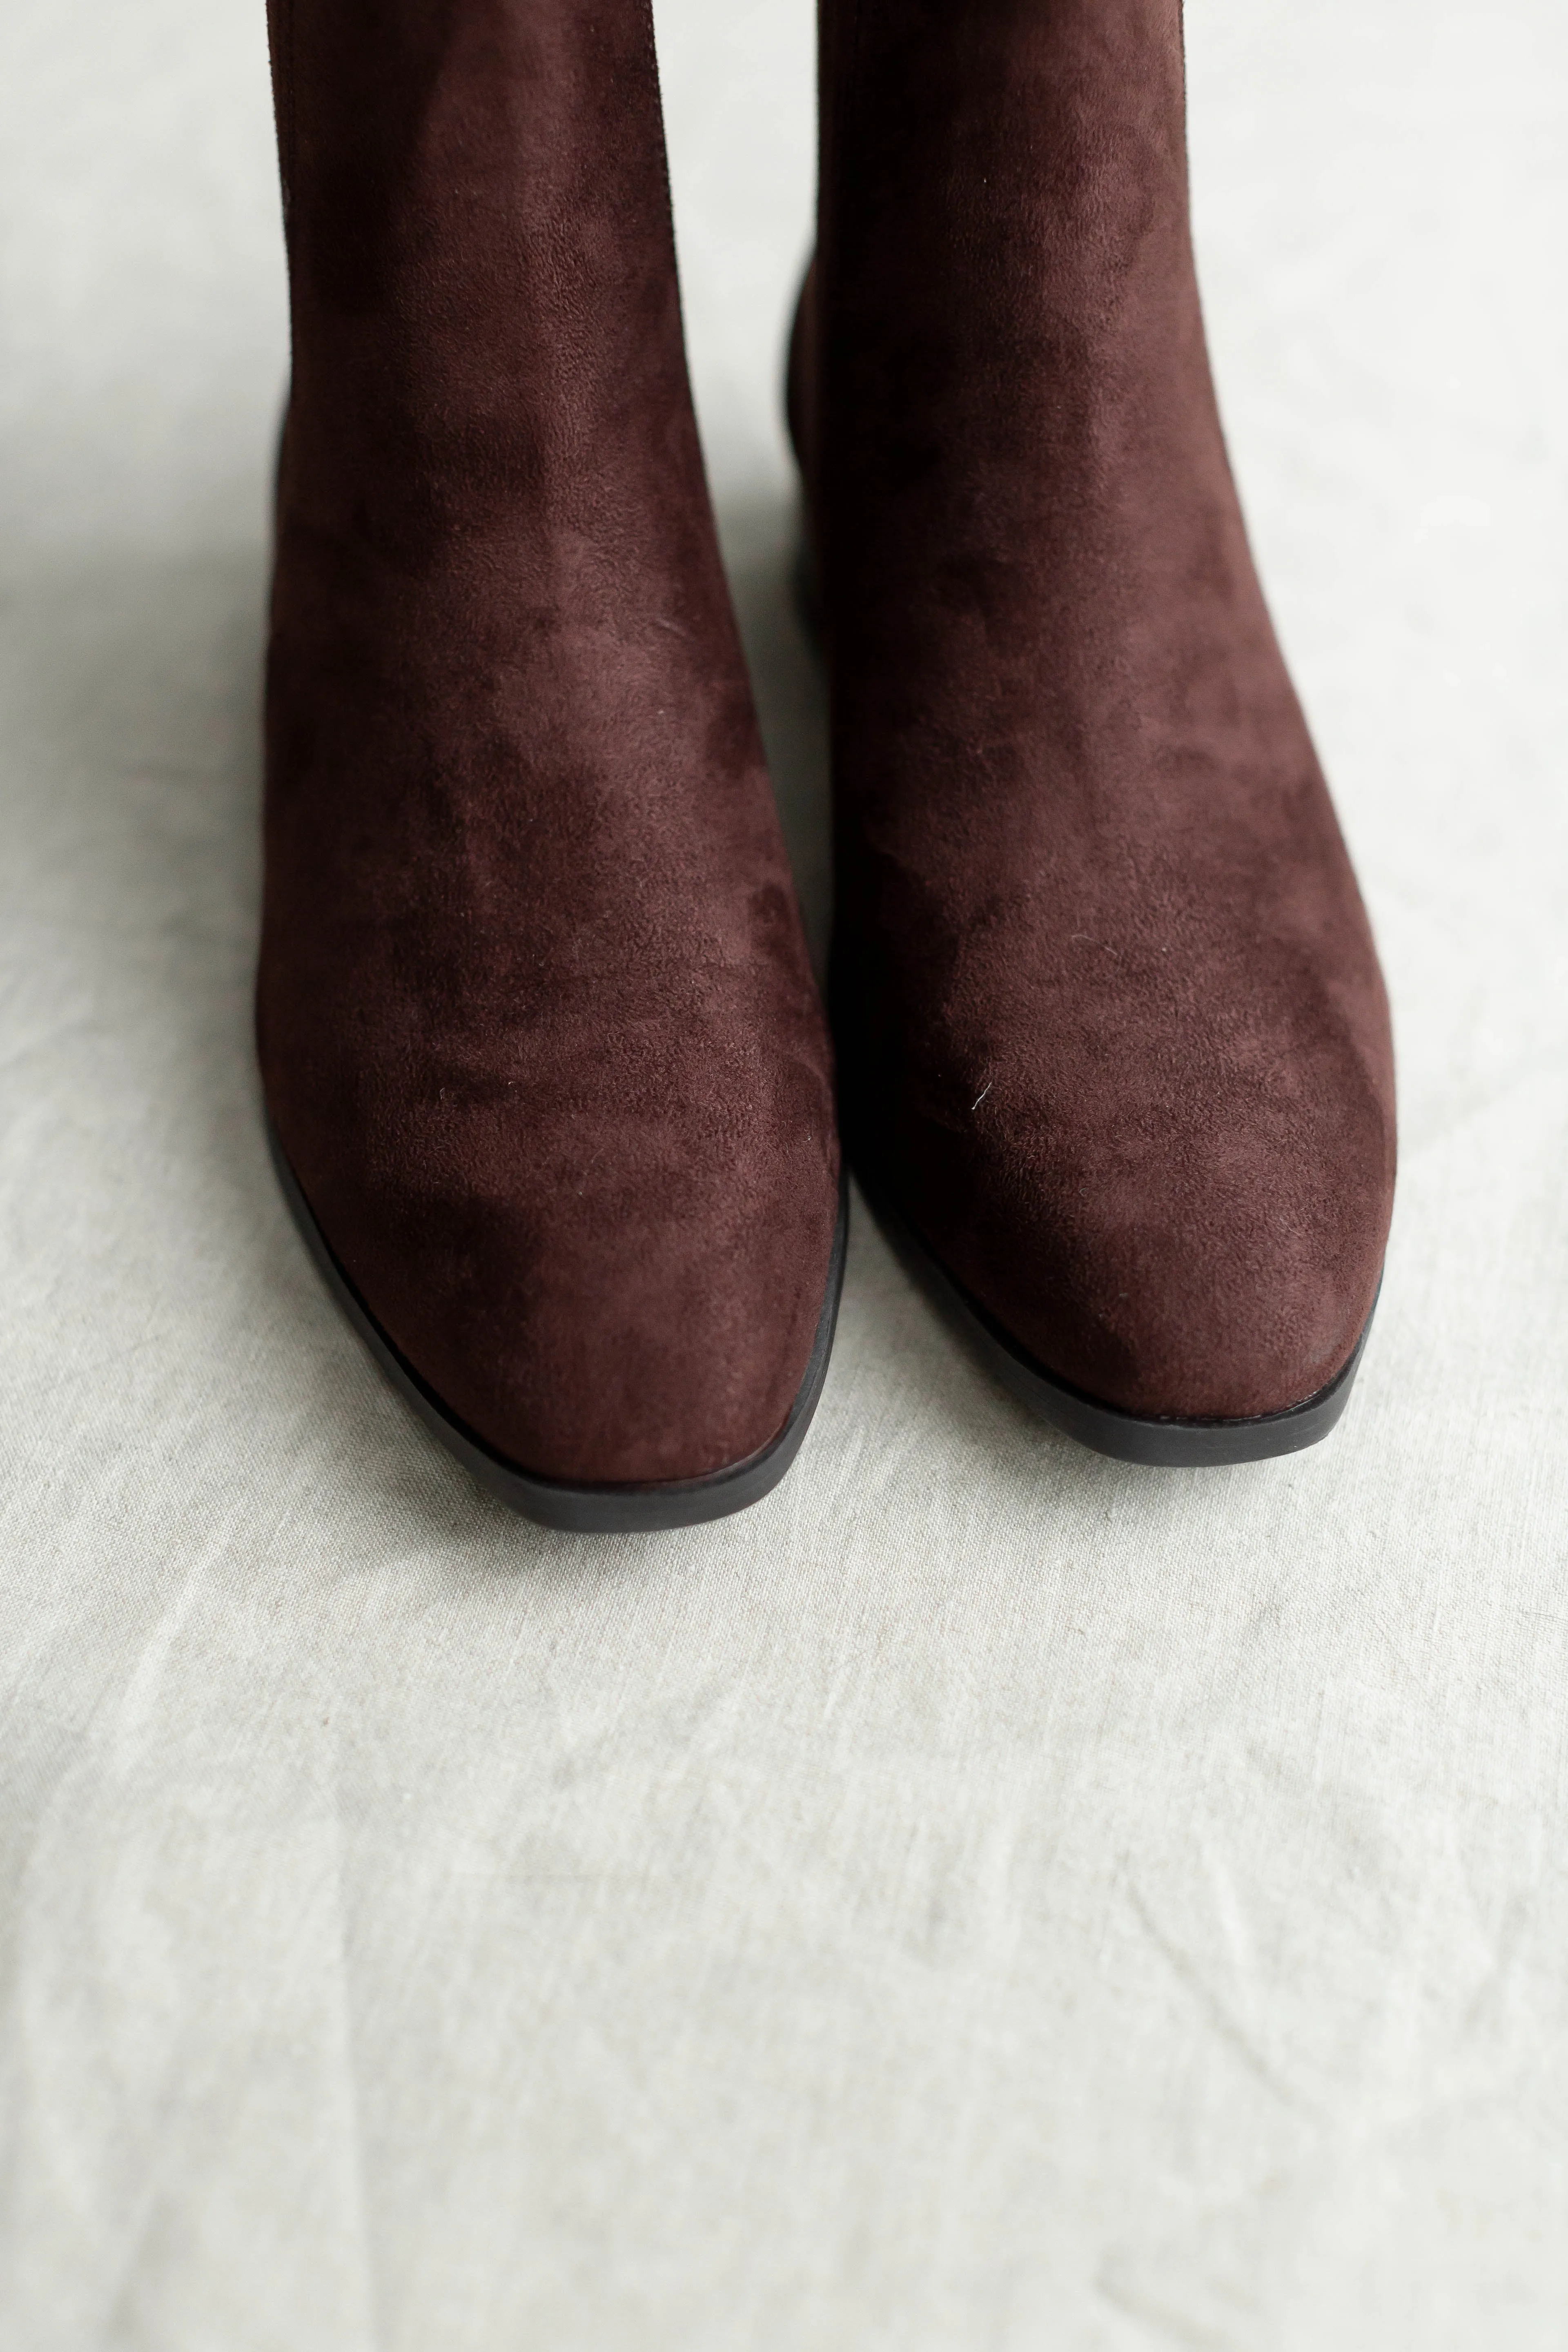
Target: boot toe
<point x="652" y="1358"/>
<point x="645" y="1320"/>
<point x="1186" y="1320"/>
<point x="1208" y="1252"/>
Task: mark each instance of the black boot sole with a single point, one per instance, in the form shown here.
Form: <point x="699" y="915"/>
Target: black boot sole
<point x="1155" y="1442"/>
<point x="552" y="1502"/>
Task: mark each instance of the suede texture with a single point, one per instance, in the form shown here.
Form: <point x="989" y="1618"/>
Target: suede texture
<point x="1110" y="1025"/>
<point x="536" y="1025"/>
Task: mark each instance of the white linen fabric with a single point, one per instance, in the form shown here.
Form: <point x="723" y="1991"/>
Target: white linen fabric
<point x="986" y="1899"/>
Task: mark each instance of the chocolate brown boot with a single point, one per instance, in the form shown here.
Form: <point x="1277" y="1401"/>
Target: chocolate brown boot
<point x="548" y="1077"/>
<point x="1113" y="1042"/>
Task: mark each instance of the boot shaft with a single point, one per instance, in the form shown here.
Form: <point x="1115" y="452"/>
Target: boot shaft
<point x="1005" y="241"/>
<point x="1007" y="374"/>
<point x="1072" y="111"/>
<point x="484" y="305"/>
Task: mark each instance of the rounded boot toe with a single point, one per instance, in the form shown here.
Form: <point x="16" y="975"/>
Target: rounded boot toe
<point x="652" y="1330"/>
<point x="1222" y="1266"/>
<point x="660" y="1361"/>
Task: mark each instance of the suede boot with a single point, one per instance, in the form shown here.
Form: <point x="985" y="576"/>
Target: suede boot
<point x="1114" y="1048"/>
<point x="549" y="1081"/>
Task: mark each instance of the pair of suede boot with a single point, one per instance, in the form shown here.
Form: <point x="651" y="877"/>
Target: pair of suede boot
<point x="550" y="1089"/>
